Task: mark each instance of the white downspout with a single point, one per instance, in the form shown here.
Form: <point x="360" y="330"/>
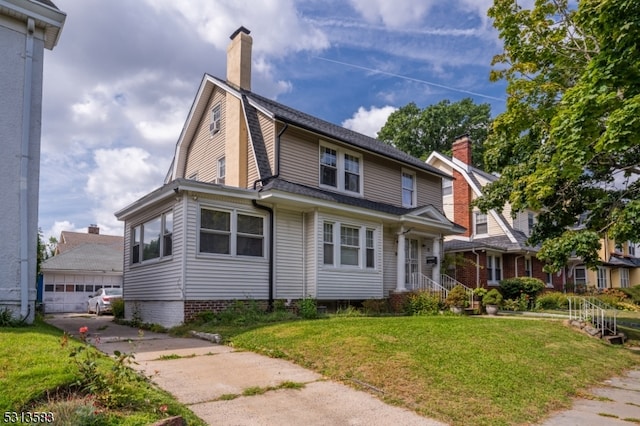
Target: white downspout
<point x="473" y="250"/>
<point x="24" y="172"/>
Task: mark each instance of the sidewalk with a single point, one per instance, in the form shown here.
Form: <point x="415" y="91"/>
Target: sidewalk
<point x="206" y="376"/>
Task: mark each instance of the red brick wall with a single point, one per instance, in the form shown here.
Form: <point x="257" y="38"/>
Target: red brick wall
<point x="466" y="272"/>
<point x="193" y="307"/>
<point x="462" y="212"/>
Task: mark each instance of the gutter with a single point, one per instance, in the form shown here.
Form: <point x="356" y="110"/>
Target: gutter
<point x="24" y="172"/>
<point x="271" y="219"/>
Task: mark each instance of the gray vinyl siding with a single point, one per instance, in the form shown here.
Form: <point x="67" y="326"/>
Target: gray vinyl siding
<point x="205" y="149"/>
<point x="299" y="158"/>
<point x="311" y="244"/>
<point x="390" y="262"/>
<point x="429" y="190"/>
<point x="220" y="277"/>
<point x="289" y="257"/>
<point x="252" y="169"/>
<point x="351" y="283"/>
<point x="156" y="279"/>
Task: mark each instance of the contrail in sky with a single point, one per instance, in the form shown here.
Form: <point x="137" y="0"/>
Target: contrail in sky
<point x="411" y="79"/>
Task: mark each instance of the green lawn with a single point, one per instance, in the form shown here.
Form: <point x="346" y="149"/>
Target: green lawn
<point x="36" y="374"/>
<point x="462" y="370"/>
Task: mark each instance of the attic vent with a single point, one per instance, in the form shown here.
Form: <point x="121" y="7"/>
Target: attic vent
<point x="214" y="125"/>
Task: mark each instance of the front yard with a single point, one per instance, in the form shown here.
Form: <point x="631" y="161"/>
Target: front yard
<point x="461" y="370"/>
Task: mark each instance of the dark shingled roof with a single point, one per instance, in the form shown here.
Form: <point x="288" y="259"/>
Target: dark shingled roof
<point x="259" y="147"/>
<point x="295" y="188"/>
<point x="314" y="124"/>
<point x="47" y="3"/>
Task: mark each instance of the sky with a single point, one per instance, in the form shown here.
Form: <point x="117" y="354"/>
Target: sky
<point x="120" y="83"/>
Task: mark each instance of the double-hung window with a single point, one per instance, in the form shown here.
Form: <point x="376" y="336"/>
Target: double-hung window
<point x="481" y="223"/>
<point x="580" y="275"/>
<point x="216" y="114"/>
<point x="602" y="277"/>
<point x="222" y="170"/>
<point x="447" y="187"/>
<point x="624" y="277"/>
<point x="231" y="232"/>
<point x="408" y="189"/>
<point x="527" y="267"/>
<point x="349" y="245"/>
<point x="152" y="239"/>
<point x="328" y="243"/>
<point x="494" y="268"/>
<point x="328" y="167"/>
<point x="340" y="169"/>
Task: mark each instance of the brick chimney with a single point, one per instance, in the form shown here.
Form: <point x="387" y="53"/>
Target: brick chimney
<point x="93" y="229"/>
<point x="462" y="193"/>
<point x="239" y="59"/>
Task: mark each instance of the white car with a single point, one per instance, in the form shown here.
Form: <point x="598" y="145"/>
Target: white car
<point x="100" y="301"/>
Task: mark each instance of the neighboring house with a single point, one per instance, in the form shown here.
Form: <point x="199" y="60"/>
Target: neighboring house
<point x="620" y="267"/>
<point x="27" y="27"/>
<point x="265" y="202"/>
<point x="494" y="246"/>
<point x="82" y="264"/>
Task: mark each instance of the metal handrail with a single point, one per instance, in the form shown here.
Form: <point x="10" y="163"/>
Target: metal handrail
<point x="449" y="283"/>
<point x="602" y="316"/>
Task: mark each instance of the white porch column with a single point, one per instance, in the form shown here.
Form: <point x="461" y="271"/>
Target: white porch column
<point x="400" y="284"/>
<point x="435" y="274"/>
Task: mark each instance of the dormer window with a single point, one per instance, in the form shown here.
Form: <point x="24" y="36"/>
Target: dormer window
<point x="214" y="124"/>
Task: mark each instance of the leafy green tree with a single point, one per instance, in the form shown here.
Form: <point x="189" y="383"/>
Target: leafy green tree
<point x="420" y="131"/>
<point x="567" y="143"/>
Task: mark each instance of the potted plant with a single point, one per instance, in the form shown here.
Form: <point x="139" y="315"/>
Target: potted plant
<point x="457" y="299"/>
<point x="492" y="301"/>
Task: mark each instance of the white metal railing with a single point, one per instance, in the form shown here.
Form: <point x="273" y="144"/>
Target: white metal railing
<point x="449" y="282"/>
<point x="603" y="317"/>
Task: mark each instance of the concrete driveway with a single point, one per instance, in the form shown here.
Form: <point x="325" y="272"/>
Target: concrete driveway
<point x="204" y="376"/>
<point x="199" y="373"/>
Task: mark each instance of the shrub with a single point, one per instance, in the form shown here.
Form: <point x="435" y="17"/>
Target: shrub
<point x="493" y="297"/>
<point x="375" y="306"/>
<point x="349" y="311"/>
<point x="457" y="297"/>
<point x="513" y="288"/>
<point x="423" y="303"/>
<point x="552" y="300"/>
<point x="117" y="307"/>
<point x="308" y="308"/>
<point x="633" y="293"/>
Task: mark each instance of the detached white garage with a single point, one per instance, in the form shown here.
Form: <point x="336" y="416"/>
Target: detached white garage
<point x="70" y="277"/>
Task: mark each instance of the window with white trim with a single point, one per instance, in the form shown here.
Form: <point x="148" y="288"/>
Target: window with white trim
<point x="530" y="222"/>
<point x="494" y="268"/>
<point x="482" y="226"/>
<point x="152" y="239"/>
<point x="340" y="169"/>
<point x="602" y="277"/>
<point x="216" y="114"/>
<point x="222" y="170"/>
<point x="527" y="267"/>
<point x="632" y="248"/>
<point x="349" y="246"/>
<point x="408" y="189"/>
<point x="549" y="279"/>
<point x="231" y="232"/>
<point x="328" y="243"/>
<point x="371" y="253"/>
<point x="447" y="187"/>
<point x="624" y="277"/>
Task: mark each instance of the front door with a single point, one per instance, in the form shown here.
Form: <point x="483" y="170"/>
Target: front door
<point x="412" y="263"/>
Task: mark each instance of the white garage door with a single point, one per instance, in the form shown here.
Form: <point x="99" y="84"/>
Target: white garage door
<point x="69" y="293"/>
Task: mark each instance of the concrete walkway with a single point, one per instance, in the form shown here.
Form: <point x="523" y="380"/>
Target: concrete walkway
<point x="204" y="376"/>
<point x="199" y="373"/>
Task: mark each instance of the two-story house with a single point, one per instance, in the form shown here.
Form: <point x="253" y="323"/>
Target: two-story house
<point x="494" y="245"/>
<point x="265" y="202"/>
<point x="620" y="267"/>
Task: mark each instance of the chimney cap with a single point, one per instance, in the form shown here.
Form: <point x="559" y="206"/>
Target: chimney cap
<point x="238" y="31"/>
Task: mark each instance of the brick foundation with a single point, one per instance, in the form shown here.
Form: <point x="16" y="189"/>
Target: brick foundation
<point x="193" y="307"/>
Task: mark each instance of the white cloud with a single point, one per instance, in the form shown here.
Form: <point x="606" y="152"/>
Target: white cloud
<point x="369" y="122"/>
<point x="57" y="228"/>
<point x="275" y="24"/>
<point x="394" y="14"/>
<point x="120" y="177"/>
